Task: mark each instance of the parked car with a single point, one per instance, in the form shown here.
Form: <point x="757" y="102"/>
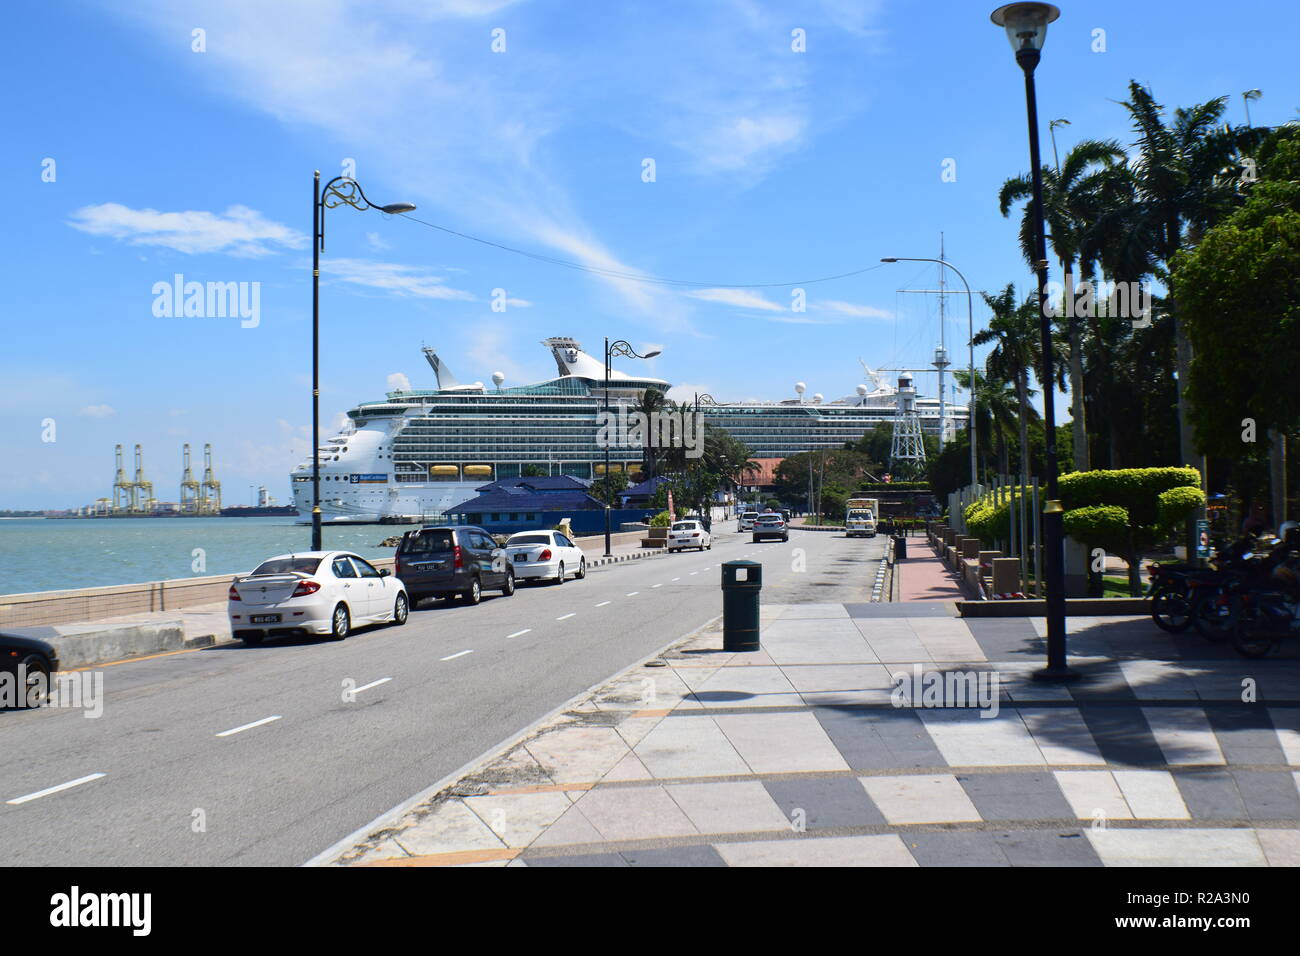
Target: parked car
<point x="27" y="667"/>
<point x="688" y="534"/>
<point x="545" y="555"/>
<point x="747" y="520"/>
<point x="316" y="592"/>
<point x="770" y="526"/>
<point x="453" y="561"/>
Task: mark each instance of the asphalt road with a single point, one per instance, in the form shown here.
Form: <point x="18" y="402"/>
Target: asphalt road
<point x="453" y="683"/>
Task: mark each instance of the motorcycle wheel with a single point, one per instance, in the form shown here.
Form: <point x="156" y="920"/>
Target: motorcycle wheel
<point x="1249" y="642"/>
<point x="1169" y="610"/>
<point x="1215" y="616"/>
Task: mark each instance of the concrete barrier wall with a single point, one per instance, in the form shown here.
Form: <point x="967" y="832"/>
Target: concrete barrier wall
<point x="94" y="604"/>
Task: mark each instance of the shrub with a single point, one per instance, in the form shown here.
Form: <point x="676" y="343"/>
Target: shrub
<point x="661" y="520"/>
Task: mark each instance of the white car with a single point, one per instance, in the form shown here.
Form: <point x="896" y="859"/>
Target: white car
<point x="688" y="534"/>
<point x="545" y="555"/>
<point x="746" y="522"/>
<point x="315" y="592"/>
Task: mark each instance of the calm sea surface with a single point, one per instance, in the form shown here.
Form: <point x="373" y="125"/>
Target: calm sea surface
<point x="42" y="554"/>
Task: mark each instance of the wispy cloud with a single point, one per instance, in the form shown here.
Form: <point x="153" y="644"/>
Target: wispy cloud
<point x="403" y="280"/>
<point x="98" y="411"/>
<point x="852" y="310"/>
<point x="239" y="231"/>
<point x="740" y="298"/>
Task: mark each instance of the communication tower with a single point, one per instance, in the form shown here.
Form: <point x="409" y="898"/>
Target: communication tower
<point x="907" y="450"/>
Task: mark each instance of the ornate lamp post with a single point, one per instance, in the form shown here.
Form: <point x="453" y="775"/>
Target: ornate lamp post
<point x="611" y="349"/>
<point x="339" y="191"/>
<point x="1026" y="26"/>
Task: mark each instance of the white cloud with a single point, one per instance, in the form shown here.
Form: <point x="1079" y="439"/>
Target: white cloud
<point x="98" y="411"/>
<point x="377" y="243"/>
<point x="853" y="311"/>
<point x="398" y="382"/>
<point x="239" y="231"/>
<point x="741" y="298"/>
<point x="404" y="280"/>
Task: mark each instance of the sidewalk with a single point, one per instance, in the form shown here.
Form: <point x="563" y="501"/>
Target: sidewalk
<point x="923" y="577"/>
<point x="796" y="755"/>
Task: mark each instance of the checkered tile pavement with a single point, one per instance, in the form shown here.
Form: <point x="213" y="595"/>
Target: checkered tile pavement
<point x="1171" y="751"/>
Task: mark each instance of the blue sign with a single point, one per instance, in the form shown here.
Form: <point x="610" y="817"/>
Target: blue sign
<point x="368" y="479"/>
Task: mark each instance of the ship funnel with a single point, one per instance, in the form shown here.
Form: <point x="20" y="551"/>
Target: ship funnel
<point x="445" y="378"/>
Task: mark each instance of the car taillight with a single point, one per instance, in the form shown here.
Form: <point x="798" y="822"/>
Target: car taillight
<point x="545" y="555"/>
<point x="456" y="553"/>
<point x="305" y="587"/>
<point x="234" y="595"/>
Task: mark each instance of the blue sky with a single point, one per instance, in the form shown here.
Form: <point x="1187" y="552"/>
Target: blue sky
<point x="771" y="165"/>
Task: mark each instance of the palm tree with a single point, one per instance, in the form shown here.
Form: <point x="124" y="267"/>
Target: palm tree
<point x="1017" y="349"/>
<point x="1183" y="178"/>
<point x="652" y="400"/>
<point x="1070" y="194"/>
<point x="996" y="415"/>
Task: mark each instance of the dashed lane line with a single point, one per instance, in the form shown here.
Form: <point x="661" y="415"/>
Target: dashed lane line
<point x="373" y="683"/>
<point x="565" y="617"/>
<point x="257" y="723"/>
<point x="49" y="790"/>
<point x="518" y="633"/>
<point x="452" y="657"/>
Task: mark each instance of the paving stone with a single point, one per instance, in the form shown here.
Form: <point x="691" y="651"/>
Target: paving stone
<point x="879" y="739"/>
<point x="1093" y="794"/>
<point x="450" y="828"/>
<point x="675" y="856"/>
<point x="1246" y="735"/>
<point x="1151" y="794"/>
<point x="1217" y="848"/>
<point x="781" y="743"/>
<point x="1184" y="735"/>
<point x="1061" y="735"/>
<point x="731" y="807"/>
<point x="815" y="678"/>
<point x="879" y="850"/>
<point x="1281" y="847"/>
<point x="1268" y="795"/>
<point x="799" y="612"/>
<point x="1286" y="723"/>
<point x="825" y="801"/>
<point x="689" y="747"/>
<point x="921" y="798"/>
<point x="746" y="687"/>
<point x="1046" y="848"/>
<point x="953" y="848"/>
<point x="578" y="754"/>
<point x="570" y="828"/>
<point x="634" y="813"/>
<point x="1210" y="794"/>
<point x="968" y="738"/>
<point x="1016" y="796"/>
<point x="1005" y="638"/>
<point x="1122" y="735"/>
<point x="584" y="859"/>
<point x="518" y="819"/>
<point x="1158" y="680"/>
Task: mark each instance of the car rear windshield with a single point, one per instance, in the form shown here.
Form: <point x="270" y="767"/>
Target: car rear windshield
<point x="529" y="539"/>
<point x="289" y="566"/>
<point x="685" y="526"/>
<point x="749" y="514"/>
<point x="771" y="519"/>
<point x="427" y="542"/>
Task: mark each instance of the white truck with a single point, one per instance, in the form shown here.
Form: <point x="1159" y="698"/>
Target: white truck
<point x="860" y="517"/>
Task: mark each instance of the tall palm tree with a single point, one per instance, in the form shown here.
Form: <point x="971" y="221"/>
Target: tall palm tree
<point x="1017" y="350"/>
<point x="996" y="413"/>
<point x="1184" y="178"/>
<point x="1070" y="194"/>
<point x="652" y="400"/>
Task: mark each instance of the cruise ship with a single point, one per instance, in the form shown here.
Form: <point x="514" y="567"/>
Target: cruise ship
<point x="422" y="451"/>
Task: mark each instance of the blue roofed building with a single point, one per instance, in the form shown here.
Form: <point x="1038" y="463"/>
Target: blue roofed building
<point x="527" y="504"/>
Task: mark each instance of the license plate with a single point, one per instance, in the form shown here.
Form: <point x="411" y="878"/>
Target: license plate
<point x="521" y="557"/>
<point x="264" y="619"/>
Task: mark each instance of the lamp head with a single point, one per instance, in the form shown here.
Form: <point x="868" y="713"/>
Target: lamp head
<point x="393" y="208"/>
<point x="1025" y="23"/>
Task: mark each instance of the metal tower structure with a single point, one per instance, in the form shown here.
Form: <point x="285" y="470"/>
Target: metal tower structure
<point x="123" y="490"/>
<point x="210" y="489"/>
<point x="142" y="499"/>
<point x="907" y="450"/>
<point x="189" y="487"/>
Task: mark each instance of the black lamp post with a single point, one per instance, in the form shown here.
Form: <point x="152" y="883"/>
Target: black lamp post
<point x="611" y="349"/>
<point x="1026" y="26"/>
<point x="338" y="191"/>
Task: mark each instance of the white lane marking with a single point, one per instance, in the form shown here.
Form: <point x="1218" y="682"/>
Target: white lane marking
<point x="373" y="683"/>
<point x="695" y="572"/>
<point x="676" y="579"/>
<point x="656" y="585"/>
<point x="49" y="790"/>
<point x="565" y="617"/>
<point x="452" y="657"/>
<point x="632" y="593"/>
<point x="256" y="723"/>
<point x="602" y="604"/>
<point x="518" y="633"/>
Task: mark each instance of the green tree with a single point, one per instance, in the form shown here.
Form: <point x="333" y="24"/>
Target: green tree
<point x="606" y="488"/>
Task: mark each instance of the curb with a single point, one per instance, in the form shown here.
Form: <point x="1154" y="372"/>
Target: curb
<point x="389" y="817"/>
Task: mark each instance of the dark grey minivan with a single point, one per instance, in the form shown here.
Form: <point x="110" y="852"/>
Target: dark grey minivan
<point x="461" y="561"/>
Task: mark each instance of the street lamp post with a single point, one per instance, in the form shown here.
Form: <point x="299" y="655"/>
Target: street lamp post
<point x="341" y="190"/>
<point x="970" y="327"/>
<point x="1026" y="26"/>
<point x="625" y="349"/>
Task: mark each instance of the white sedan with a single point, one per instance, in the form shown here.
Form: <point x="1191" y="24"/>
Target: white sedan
<point x="545" y="555"/>
<point x="315" y="592"/>
<point x="688" y="534"/>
